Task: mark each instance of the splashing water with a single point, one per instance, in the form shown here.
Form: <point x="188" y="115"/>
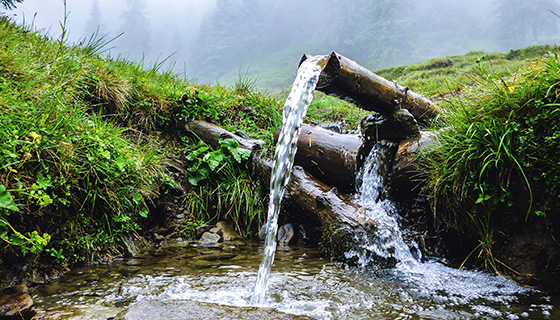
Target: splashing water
<point x="387" y="241"/>
<point x="295" y="109"/>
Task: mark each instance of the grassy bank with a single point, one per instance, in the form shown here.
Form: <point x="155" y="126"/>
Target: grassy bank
<point x="86" y="142"/>
<point x="92" y="150"/>
<point x="495" y="172"/>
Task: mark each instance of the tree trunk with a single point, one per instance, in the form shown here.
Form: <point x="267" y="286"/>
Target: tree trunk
<point x="343" y="223"/>
<point x="328" y="156"/>
<point x="211" y="134"/>
<point x="406" y="178"/>
<point x="341" y="220"/>
<point x="347" y="80"/>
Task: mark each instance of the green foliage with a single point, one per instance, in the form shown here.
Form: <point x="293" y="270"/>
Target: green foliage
<point x="33" y="242"/>
<point x="226" y="189"/>
<point x="441" y="77"/>
<point x="80" y="155"/>
<point x="207" y="161"/>
<point x="74" y="176"/>
<point x="496" y="161"/>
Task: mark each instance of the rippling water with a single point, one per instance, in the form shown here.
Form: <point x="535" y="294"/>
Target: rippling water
<point x="301" y="283"/>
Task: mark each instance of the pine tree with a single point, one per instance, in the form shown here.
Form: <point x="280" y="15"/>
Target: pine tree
<point x="93" y="25"/>
<point x="135" y="42"/>
<point x="10" y="4"/>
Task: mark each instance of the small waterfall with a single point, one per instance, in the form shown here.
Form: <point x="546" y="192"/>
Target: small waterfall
<point x="387" y="241"/>
<point x="295" y="109"/>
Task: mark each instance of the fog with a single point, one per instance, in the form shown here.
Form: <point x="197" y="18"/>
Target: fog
<point x="214" y="40"/>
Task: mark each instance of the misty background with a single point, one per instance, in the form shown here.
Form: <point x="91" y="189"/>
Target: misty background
<point x="212" y="41"/>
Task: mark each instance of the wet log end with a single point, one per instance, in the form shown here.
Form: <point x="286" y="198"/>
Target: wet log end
<point x="406" y="178"/>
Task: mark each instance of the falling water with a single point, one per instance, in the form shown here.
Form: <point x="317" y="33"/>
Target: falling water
<point x="294" y="111"/>
<point x="387" y="241"/>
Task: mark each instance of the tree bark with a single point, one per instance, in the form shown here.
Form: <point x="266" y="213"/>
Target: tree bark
<point x="211" y="134"/>
<point x="341" y="220"/>
<point x="328" y="156"/>
<point x="347" y="80"/>
<point x="407" y="180"/>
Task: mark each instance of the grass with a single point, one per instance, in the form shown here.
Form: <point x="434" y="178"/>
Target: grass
<point x="84" y="141"/>
<point x="74" y="175"/>
<point x="442" y="77"/>
<point x="83" y="144"/>
<point x="496" y="161"/>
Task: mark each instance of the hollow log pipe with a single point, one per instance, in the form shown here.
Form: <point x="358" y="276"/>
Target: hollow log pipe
<point x="347" y="80"/>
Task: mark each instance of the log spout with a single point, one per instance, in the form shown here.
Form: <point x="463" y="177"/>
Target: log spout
<point x="349" y="81"/>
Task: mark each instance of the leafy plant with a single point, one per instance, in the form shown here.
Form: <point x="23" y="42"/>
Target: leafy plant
<point x="32" y="242"/>
<point x="228" y="190"/>
<point x="207" y="161"/>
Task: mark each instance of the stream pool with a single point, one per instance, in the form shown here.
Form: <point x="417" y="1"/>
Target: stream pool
<point x="178" y="279"/>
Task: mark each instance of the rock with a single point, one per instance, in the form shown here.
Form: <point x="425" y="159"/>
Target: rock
<point x="200" y="230"/>
<point x="77" y="312"/>
<point x="285" y="234"/>
<point x="228" y="231"/>
<point x="187" y="310"/>
<point x="262" y="232"/>
<point x="135" y="244"/>
<point x="209" y="238"/>
<point x="15" y="301"/>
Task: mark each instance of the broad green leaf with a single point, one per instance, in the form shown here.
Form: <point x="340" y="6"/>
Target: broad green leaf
<point x="193" y="155"/>
<point x="6" y="200"/>
<point x="202" y="173"/>
<point x="243" y="155"/>
<point x="121" y="163"/>
<point x="44" y="182"/>
<point x="136" y="198"/>
<point x="17" y="239"/>
<point x="143" y="213"/>
<point x="214" y="159"/>
<point x="229" y="143"/>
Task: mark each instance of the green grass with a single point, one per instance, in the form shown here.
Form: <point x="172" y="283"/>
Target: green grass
<point x="83" y="143"/>
<point x="442" y="77"/>
<point x="84" y="140"/>
<point x="496" y="161"/>
<point x="74" y="175"/>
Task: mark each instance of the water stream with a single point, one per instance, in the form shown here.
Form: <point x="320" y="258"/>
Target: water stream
<point x="302" y="283"/>
<point x="387" y="241"/>
<point x="295" y="109"/>
<point x="192" y="280"/>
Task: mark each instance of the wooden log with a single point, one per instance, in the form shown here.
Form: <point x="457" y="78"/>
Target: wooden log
<point x="328" y="156"/>
<point x="347" y="80"/>
<point x="341" y="221"/>
<point x="212" y="134"/>
<point x="406" y="178"/>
